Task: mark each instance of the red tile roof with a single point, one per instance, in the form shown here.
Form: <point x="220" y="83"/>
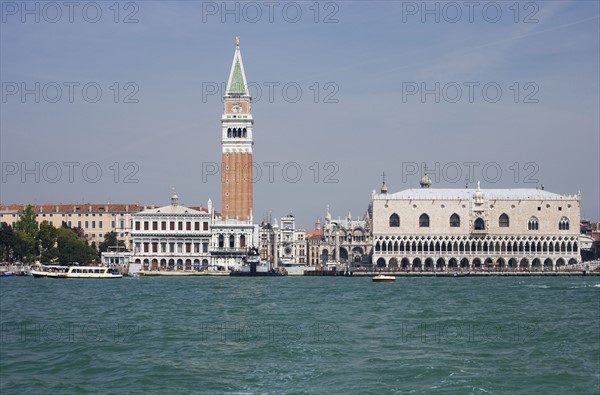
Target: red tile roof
<point x="74" y="208"/>
<point x="313" y="234"/>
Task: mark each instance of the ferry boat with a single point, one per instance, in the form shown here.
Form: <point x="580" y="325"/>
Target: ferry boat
<point x="382" y="278"/>
<point x="253" y="267"/>
<point x="56" y="271"/>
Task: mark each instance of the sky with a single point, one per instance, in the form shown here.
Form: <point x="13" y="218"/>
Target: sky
<point x="121" y="102"/>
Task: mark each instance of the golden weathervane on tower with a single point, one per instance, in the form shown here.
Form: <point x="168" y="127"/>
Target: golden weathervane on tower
<point x="237" y="41"/>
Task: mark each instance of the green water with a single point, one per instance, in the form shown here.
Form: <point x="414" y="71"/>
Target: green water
<point x="300" y="335"/>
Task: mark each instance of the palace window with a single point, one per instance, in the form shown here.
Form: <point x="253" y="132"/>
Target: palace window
<point x="533" y="224"/>
<point x="205" y="224"/>
<point x="479" y="224"/>
<point x="180" y="225"/>
<point x="188" y="225"/>
<point x="172" y="225"/>
<point x="154" y="225"/>
<point x="563" y="224"/>
<point x="163" y="225"/>
<point x="454" y="221"/>
<point x="394" y="220"/>
<point x="196" y="226"/>
<point x="424" y="221"/>
<point x="242" y="241"/>
<point x="503" y="221"/>
<point x="221" y="241"/>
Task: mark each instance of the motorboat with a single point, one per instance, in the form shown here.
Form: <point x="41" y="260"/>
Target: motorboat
<point x="382" y="278"/>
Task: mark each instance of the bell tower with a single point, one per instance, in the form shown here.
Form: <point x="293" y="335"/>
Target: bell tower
<point x="236" y="143"/>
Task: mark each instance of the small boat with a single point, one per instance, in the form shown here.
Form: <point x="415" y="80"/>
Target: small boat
<point x="382" y="278"/>
<point x="7" y="274"/>
<point x="56" y="271"/>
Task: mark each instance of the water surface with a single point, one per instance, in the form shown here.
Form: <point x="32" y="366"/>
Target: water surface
<point x="299" y="335"/>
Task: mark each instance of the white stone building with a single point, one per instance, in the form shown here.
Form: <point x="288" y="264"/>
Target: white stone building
<point x="499" y="229"/>
<point x="230" y="240"/>
<point x="172" y="237"/>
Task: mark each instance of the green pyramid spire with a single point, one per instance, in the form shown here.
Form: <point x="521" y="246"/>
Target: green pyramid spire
<point x="237" y="85"/>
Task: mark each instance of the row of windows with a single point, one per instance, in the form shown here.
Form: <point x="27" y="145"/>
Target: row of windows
<point x="503" y="222"/>
<point x="171" y="263"/>
<point x="171" y="247"/>
<point x="237" y="132"/>
<point x="232" y="241"/>
<point x="87" y="224"/>
<point x="163" y="225"/>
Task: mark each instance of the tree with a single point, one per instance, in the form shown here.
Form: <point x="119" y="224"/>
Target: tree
<point x="47" y="235"/>
<point x="72" y="249"/>
<point x="27" y="222"/>
<point x="111" y="241"/>
<point x="24" y="247"/>
<point x="50" y="255"/>
<point x="79" y="232"/>
<point x="7" y="242"/>
<point x="26" y="231"/>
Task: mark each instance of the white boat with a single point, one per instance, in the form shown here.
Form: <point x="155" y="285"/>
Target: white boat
<point x="55" y="271"/>
<point x="382" y="278"/>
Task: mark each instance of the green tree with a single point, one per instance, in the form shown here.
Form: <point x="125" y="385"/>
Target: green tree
<point x="47" y="235"/>
<point x="72" y="249"/>
<point x="24" y="247"/>
<point x="27" y="222"/>
<point x="7" y="242"/>
<point x="111" y="241"/>
<point x="50" y="255"/>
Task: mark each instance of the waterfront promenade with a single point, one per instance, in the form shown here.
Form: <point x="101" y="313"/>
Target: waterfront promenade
<point x="590" y="268"/>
